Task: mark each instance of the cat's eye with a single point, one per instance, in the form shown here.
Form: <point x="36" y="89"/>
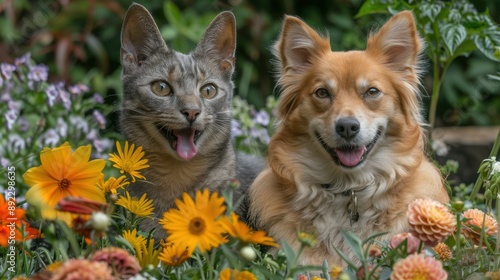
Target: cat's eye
<point x="322" y="93"/>
<point x="208" y="91"/>
<point x="161" y="88"/>
<point x="372" y="92"/>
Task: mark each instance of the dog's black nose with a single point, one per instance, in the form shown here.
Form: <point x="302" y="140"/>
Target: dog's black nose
<point x="347" y="127"/>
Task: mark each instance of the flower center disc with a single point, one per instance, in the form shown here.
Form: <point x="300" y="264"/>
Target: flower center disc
<point x="64" y="184"/>
<point x="197" y="226"/>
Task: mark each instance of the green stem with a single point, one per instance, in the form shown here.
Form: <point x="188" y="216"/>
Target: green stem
<point x="458" y="243"/>
<point x="295" y="261"/>
<point x="479" y="181"/>
<point x="436" y="85"/>
<point x="200" y="263"/>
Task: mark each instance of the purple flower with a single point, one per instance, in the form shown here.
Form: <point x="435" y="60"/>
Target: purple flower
<point x="1" y="81"/>
<point x="10" y="117"/>
<point x="25" y="59"/>
<point x="56" y="92"/>
<point x="4" y="162"/>
<point x="261" y="118"/>
<point x="92" y="135"/>
<point x="38" y="73"/>
<point x="62" y="128"/>
<point x="50" y="138"/>
<point x="78" y="88"/>
<point x="102" y="145"/>
<point x="235" y="128"/>
<point x="99" y="118"/>
<point x="79" y="123"/>
<point x="64" y="96"/>
<point x="52" y="94"/>
<point x="7" y="70"/>
<point x="23" y="123"/>
<point x="16" y="143"/>
<point x="98" y="98"/>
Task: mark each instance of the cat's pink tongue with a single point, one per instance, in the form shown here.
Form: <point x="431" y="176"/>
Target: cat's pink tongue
<point x="350" y="157"/>
<point x="185" y="147"/>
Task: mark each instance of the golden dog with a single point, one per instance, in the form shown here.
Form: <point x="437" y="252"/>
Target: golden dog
<point x="349" y="150"/>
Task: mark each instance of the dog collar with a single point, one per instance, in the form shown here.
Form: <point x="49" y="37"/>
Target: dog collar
<point x="352" y="206"/>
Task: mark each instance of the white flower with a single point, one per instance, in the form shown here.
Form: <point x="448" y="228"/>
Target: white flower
<point x="495" y="168"/>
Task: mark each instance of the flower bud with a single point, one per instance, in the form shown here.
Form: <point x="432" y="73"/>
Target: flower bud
<point x="100" y="221"/>
<point x="248" y="253"/>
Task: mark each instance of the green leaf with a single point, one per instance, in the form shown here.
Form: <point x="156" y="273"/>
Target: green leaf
<point x="354" y="243"/>
<point x="289" y="253"/>
<point x="489" y="43"/>
<point x="374" y="7"/>
<point x="431" y="10"/>
<point x="453" y="35"/>
<point x="172" y="13"/>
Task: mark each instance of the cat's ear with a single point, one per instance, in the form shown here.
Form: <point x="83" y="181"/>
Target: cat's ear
<point x="140" y="36"/>
<point x="299" y="45"/>
<point x="219" y="41"/>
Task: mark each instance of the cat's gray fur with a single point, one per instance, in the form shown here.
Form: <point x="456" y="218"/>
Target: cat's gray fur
<point x="155" y="122"/>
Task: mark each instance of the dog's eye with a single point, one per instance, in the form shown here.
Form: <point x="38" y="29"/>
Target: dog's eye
<point x="161" y="88"/>
<point x="372" y="92"/>
<point x="322" y="93"/>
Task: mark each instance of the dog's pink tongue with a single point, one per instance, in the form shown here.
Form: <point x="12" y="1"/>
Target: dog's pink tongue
<point x="185" y="147"/>
<point x="350" y="157"/>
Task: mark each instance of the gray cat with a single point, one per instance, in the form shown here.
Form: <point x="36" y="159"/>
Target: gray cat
<point x="178" y="108"/>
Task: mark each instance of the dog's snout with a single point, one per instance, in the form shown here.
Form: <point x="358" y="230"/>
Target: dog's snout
<point x="347" y="127"/>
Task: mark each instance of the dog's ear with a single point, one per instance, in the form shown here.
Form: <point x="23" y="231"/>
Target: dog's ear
<point x="298" y="45"/>
<point x="398" y="46"/>
<point x="219" y="41"/>
<point x="140" y="36"/>
<point x="398" y="43"/>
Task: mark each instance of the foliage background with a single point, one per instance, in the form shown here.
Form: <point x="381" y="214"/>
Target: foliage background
<point x="80" y="41"/>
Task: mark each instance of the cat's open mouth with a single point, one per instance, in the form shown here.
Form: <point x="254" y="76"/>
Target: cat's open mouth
<point x="183" y="141"/>
<point x="349" y="156"/>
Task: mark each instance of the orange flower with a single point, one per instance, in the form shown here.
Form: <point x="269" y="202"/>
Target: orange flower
<point x="78" y="269"/>
<point x="430" y="221"/>
<point x="63" y="173"/>
<point x="443" y="252"/>
<point x="196" y="225"/>
<point x="418" y="266"/>
<point x="10" y="222"/>
<point x="173" y="255"/>
<point x="471" y="228"/>
<point x="231" y="274"/>
<point x="241" y="231"/>
<point x="412" y="242"/>
<point x="119" y="260"/>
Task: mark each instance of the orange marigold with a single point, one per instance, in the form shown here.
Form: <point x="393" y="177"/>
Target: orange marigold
<point x="430" y="221"/>
<point x="471" y="228"/>
<point x="418" y="266"/>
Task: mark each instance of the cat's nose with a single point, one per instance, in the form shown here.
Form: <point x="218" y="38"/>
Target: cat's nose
<point x="190" y="114"/>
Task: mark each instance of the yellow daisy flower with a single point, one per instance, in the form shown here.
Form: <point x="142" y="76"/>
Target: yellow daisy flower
<point x="142" y="207"/>
<point x="146" y="254"/>
<point x="196" y="224"/>
<point x="231" y="274"/>
<point x="112" y="184"/>
<point x="134" y="239"/>
<point x="129" y="160"/>
<point x="63" y="173"/>
<point x="173" y="255"/>
<point x="245" y="234"/>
